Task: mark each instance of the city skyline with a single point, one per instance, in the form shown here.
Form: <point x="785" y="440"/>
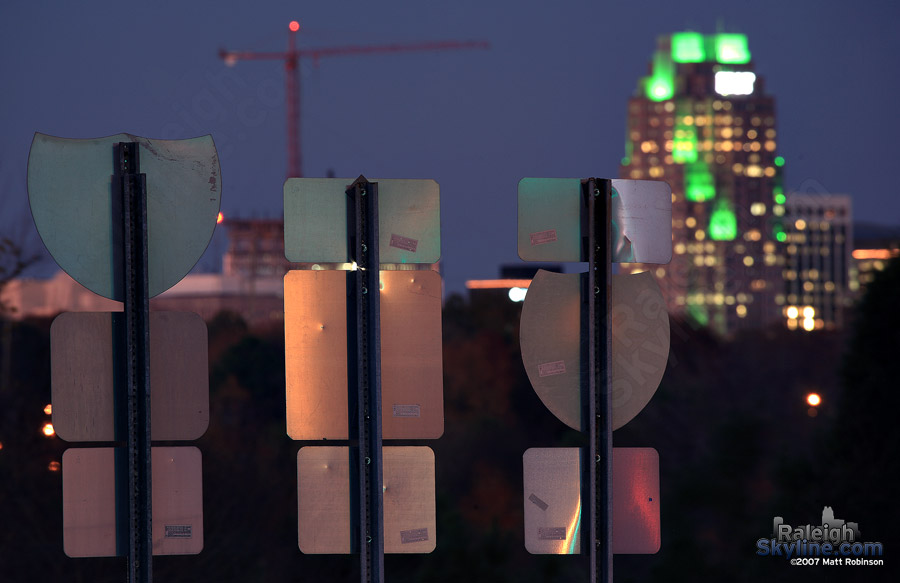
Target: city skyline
<point x="545" y="100"/>
<point x="761" y="423"/>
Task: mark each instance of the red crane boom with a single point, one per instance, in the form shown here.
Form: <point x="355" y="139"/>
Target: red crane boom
<point x="291" y="58"/>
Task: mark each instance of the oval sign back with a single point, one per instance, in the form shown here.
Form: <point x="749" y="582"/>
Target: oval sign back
<point x="550" y="336"/>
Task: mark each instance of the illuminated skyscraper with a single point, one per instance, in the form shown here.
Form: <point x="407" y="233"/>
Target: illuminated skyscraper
<point x="819" y="230"/>
<point x="701" y="121"/>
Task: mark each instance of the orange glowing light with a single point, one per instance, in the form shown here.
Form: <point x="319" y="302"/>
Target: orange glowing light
<point x="875" y="253"/>
<point x="1" y="445"/>
<point x="48" y="409"/>
<point x="48" y="430"/>
<point x="220" y="219"/>
<point x="497" y="283"/>
<point x="813" y="399"/>
<point x="294" y="26"/>
<point x="54" y="466"/>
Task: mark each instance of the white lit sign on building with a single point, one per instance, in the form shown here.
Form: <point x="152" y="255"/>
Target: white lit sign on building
<point x="735" y="82"/>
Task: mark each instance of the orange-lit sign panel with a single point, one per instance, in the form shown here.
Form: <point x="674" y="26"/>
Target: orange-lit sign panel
<point x="315" y="307"/>
<point x="89" y="501"/>
<point x="324" y="509"/>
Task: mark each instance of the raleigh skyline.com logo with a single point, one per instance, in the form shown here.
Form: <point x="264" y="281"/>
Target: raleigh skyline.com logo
<point x="834" y="542"/>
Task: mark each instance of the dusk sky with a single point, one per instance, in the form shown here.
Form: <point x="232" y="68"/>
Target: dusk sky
<point x="548" y="99"/>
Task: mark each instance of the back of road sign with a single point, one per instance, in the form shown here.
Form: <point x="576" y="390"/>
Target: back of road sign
<point x="316" y="373"/>
<point x="72" y="194"/>
<point x="89" y="501"/>
<point x="82" y="382"/>
<point x="552" y="485"/>
<point x="325" y="523"/>
<point x="550" y="338"/>
<point x="550" y="220"/>
<point x="315" y="220"/>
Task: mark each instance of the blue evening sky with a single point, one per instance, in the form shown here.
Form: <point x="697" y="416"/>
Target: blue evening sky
<point x="548" y="98"/>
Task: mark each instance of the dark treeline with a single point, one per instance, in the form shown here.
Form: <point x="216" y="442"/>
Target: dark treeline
<point x="737" y="447"/>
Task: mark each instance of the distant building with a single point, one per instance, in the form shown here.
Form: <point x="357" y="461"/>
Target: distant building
<point x="819" y="236"/>
<point x="259" y="301"/>
<point x="701" y="121"/>
<point x="255" y="249"/>
<point x="873" y="247"/>
<point x="45" y="298"/>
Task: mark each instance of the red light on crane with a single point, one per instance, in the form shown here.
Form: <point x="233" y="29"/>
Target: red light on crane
<point x="294" y="26"/>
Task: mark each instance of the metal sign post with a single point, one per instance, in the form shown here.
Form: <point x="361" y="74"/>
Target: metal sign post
<point x="133" y="186"/>
<point x="363" y="233"/>
<point x="599" y="402"/>
<point x="578" y="334"/>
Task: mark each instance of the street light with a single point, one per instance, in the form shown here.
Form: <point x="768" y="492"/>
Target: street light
<point x="813" y="400"/>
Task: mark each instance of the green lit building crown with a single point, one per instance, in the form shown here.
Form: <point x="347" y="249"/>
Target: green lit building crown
<point x="701" y="121"/>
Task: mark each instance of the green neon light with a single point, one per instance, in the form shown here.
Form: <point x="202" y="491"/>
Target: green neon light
<point x="778" y="232"/>
<point x="778" y="192"/>
<point x="698" y="313"/>
<point x="779" y="161"/>
<point x="629" y="152"/>
<point x="699" y="184"/>
<point x="684" y="144"/>
<point x="723" y="223"/>
<point x="660" y="86"/>
<point x="688" y="47"/>
<point x="732" y="49"/>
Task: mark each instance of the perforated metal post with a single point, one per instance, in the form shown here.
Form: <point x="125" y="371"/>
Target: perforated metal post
<point x="597" y="481"/>
<point x="366" y="291"/>
<point x="137" y="354"/>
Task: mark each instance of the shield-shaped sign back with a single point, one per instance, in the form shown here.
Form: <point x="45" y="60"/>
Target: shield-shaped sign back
<point x="78" y="214"/>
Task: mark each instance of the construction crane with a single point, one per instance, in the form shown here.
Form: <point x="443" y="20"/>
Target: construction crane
<point x="291" y="58"/>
